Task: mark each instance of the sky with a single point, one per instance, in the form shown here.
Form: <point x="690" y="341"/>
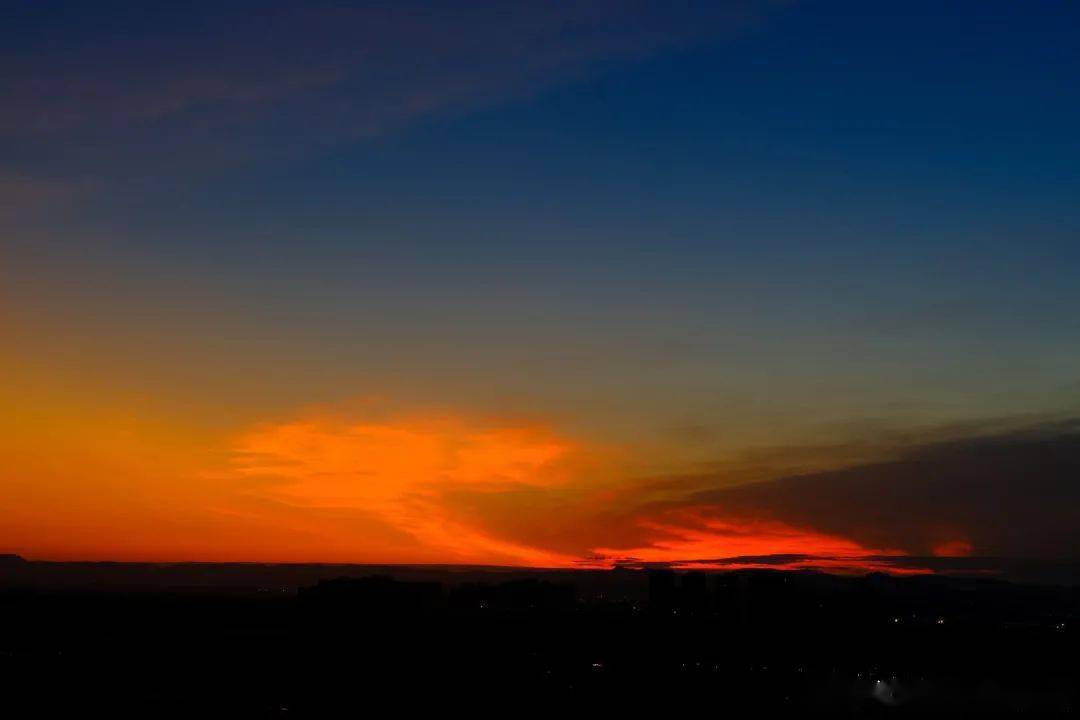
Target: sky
<point x="710" y="284"/>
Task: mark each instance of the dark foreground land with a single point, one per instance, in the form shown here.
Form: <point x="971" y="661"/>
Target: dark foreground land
<point x="85" y="640"/>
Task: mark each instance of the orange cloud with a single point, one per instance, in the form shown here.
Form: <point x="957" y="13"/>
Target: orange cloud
<point x="703" y="537"/>
<point x="398" y="470"/>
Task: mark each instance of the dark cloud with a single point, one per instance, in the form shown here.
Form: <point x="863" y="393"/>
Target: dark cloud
<point x="1011" y="494"/>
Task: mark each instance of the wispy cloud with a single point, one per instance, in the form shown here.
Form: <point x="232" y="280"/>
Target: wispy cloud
<point x="297" y="74"/>
<point x="399" y="469"/>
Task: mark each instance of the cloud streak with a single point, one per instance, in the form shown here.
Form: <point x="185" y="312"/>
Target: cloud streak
<point x="284" y="75"/>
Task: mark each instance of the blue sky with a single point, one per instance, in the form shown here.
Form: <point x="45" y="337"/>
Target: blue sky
<point x="882" y="192"/>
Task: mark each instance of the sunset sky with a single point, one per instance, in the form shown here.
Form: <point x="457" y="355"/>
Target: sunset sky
<point x="541" y="283"/>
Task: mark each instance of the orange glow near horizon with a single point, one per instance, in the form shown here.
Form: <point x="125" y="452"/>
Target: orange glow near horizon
<point x="449" y="488"/>
<point x="708" y="542"/>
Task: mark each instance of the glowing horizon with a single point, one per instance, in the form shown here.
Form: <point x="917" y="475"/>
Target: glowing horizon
<point x="422" y="489"/>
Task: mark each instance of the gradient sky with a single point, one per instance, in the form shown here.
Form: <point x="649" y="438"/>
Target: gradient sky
<point x="540" y="283"/>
